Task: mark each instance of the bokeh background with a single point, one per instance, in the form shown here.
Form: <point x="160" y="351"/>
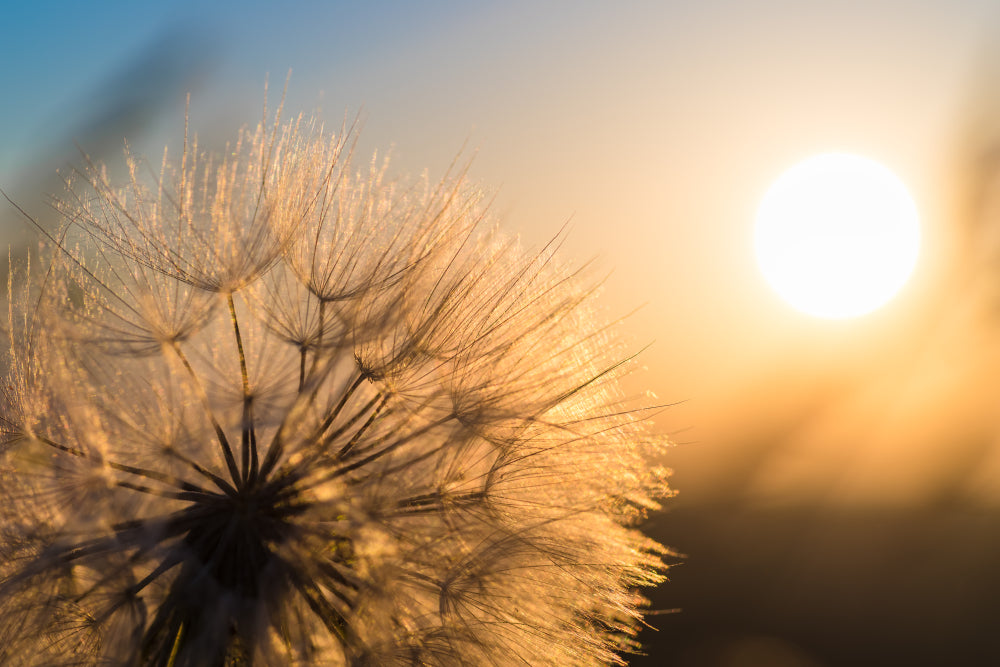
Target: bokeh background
<point x="839" y="481"/>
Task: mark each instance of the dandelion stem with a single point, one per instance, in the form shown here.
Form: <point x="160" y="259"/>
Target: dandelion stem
<point x="223" y="485"/>
<point x="248" y="439"/>
<point x="131" y="590"/>
<point x="364" y="427"/>
<point x="331" y="437"/>
<point x="189" y="489"/>
<point x="340" y="406"/>
<point x="165" y="566"/>
<point x="158" y="476"/>
<point x="332" y="618"/>
<point x="302" y="366"/>
<point x="227" y="451"/>
<point x="142" y="488"/>
<point x="275" y="448"/>
<point x="172" y="660"/>
<point x="319" y="335"/>
<point x="435" y="502"/>
<point x="63" y="448"/>
<point x="409" y="437"/>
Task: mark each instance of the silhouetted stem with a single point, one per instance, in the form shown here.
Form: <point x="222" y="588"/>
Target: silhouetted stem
<point x="227" y="450"/>
<point x="248" y="439"/>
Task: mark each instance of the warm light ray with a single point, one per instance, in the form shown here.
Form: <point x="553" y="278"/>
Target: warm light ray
<point x="837" y="235"/>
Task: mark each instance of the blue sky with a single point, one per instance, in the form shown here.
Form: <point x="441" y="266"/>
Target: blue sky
<point x="68" y="53"/>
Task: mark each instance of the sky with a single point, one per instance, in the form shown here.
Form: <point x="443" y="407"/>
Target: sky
<point x="653" y="130"/>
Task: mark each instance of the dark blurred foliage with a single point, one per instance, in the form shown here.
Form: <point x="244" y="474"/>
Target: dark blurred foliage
<point x="129" y="100"/>
<point x="801" y="587"/>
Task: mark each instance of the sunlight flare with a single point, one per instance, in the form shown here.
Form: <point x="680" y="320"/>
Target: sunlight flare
<point x="837" y="235"/>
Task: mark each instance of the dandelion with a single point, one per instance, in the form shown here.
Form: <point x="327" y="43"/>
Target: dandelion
<point x="272" y="409"/>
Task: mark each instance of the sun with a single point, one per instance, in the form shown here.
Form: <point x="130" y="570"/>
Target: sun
<point x="837" y="235"/>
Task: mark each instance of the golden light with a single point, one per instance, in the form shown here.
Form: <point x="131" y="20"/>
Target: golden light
<point x="837" y="235"/>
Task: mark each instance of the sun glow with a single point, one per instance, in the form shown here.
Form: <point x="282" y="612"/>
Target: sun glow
<point x="837" y="235"/>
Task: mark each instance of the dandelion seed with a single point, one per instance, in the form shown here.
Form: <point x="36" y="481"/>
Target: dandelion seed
<point x="269" y="409"/>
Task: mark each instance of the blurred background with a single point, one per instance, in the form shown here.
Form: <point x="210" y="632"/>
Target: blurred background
<point x="839" y="480"/>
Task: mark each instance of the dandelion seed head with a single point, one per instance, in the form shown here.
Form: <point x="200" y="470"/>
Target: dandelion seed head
<point x="267" y="407"/>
